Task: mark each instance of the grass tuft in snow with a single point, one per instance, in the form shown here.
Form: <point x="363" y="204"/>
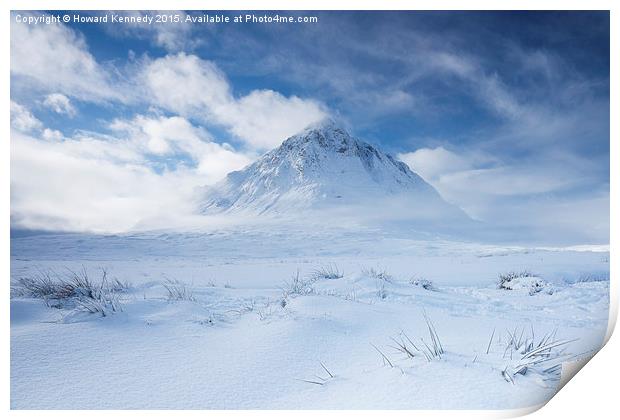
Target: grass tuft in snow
<point x="178" y="290"/>
<point x="266" y="312"/>
<point x="436" y="350"/>
<point x="318" y="379"/>
<point x="405" y="345"/>
<point x="593" y="277"/>
<point x="422" y="282"/>
<point x="523" y="280"/>
<point x="75" y="289"/>
<point x="298" y="286"/>
<point x="381" y="289"/>
<point x="377" y="273"/>
<point x="381" y="276"/>
<point x="42" y="286"/>
<point x="326" y="272"/>
<point x="102" y="298"/>
<point x="528" y="354"/>
<point x="505" y="278"/>
<point x="272" y="308"/>
<point x="433" y="350"/>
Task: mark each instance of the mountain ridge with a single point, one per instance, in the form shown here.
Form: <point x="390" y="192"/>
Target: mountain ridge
<point x="323" y="167"/>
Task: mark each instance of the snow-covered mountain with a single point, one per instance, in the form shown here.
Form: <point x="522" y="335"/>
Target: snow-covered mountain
<point x="325" y="168"/>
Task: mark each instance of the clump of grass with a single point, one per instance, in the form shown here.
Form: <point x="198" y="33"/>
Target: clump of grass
<point x="543" y="356"/>
<point x="103" y="298"/>
<point x="410" y="349"/>
<point x="42" y="285"/>
<point x="271" y="308"/>
<point x="423" y="282"/>
<point x="351" y="296"/>
<point x="381" y="289"/>
<point x="320" y="380"/>
<point x="178" y="291"/>
<point x="298" y="286"/>
<point x="266" y="312"/>
<point x="327" y="272"/>
<point x="405" y="345"/>
<point x="206" y="321"/>
<point x="592" y="277"/>
<point x="75" y="289"/>
<point x="381" y="276"/>
<point x="245" y="307"/>
<point x="103" y="303"/>
<point x="436" y="351"/>
<point x="119" y="286"/>
<point x="377" y="273"/>
<point x="504" y="279"/>
<point x="510" y="281"/>
<point x="523" y="353"/>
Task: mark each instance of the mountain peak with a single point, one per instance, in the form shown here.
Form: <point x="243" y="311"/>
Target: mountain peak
<point x="326" y="134"/>
<point x="326" y="124"/>
<point x="321" y="167"/>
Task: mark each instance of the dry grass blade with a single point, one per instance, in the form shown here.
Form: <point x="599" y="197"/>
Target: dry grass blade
<point x="326" y="370"/>
<point x="437" y="346"/>
<point x="311" y="382"/>
<point x="402" y="347"/>
<point x="547" y="347"/>
<point x="490" y="340"/>
<point x="385" y="358"/>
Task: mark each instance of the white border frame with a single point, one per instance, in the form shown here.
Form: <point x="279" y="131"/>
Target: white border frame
<point x="594" y="390"/>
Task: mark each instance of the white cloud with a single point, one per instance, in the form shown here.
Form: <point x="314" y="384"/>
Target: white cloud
<point x="431" y="163"/>
<point x="146" y="173"/>
<point x="118" y="182"/>
<point x="104" y="195"/>
<point x="114" y="186"/>
<point x="22" y="119"/>
<point x="168" y="135"/>
<point x="170" y="36"/>
<point x="52" y="135"/>
<point x="475" y="173"/>
<point x="512" y="180"/>
<point x="484" y="186"/>
<point x="263" y="119"/>
<point x="187" y="84"/>
<point x="438" y="164"/>
<point x="56" y="58"/>
<point x="60" y="104"/>
<point x="487" y="87"/>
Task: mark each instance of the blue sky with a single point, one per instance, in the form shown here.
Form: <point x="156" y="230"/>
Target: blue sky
<point x="505" y="113"/>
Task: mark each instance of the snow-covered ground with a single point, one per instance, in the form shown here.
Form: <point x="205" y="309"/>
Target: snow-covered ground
<point x="249" y="333"/>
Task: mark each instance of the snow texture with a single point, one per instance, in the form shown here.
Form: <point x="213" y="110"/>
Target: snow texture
<point x="320" y="307"/>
